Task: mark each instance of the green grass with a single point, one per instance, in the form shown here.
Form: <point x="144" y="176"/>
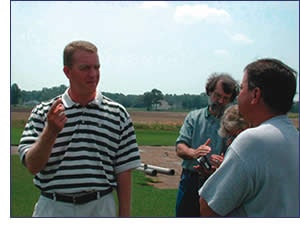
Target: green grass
<point x="147" y="201"/>
<point x="17" y="127"/>
<point x="16" y="135"/>
<point x="23" y="193"/>
<point x="156" y="137"/>
<point x="147" y="134"/>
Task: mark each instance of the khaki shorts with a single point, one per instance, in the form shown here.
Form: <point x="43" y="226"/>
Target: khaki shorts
<point x="102" y="207"/>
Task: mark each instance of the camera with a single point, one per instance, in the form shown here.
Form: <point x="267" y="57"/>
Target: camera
<point x="204" y="162"/>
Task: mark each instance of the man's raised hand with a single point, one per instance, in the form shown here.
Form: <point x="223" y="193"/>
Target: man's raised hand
<point x="56" y="117"/>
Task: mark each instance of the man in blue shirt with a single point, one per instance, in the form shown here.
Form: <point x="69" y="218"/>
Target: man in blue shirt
<point x="199" y="137"/>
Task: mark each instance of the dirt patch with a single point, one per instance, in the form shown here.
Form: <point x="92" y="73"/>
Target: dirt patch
<point x="163" y="156"/>
<point x="173" y="118"/>
<point x="21" y="115"/>
<point x="136" y="116"/>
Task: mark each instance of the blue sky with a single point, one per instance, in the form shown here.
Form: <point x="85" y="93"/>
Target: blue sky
<point x="171" y="46"/>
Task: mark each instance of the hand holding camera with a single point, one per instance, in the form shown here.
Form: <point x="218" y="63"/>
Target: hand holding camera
<point x="207" y="165"/>
<point x="204" y="162"/>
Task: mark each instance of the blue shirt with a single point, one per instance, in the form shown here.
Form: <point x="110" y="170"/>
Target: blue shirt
<point x="259" y="176"/>
<point x="198" y="126"/>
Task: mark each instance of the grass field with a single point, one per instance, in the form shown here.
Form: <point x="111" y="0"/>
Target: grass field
<point x="149" y="137"/>
<point x="147" y="201"/>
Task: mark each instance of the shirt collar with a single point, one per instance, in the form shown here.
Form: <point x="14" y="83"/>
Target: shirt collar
<point x="68" y="102"/>
<point x="207" y="112"/>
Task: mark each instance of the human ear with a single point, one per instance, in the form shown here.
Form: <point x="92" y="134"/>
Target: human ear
<point x="66" y="70"/>
<point x="256" y="95"/>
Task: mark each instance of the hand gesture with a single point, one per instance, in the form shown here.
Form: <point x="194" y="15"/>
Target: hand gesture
<point x="56" y="117"/>
<point x="203" y="149"/>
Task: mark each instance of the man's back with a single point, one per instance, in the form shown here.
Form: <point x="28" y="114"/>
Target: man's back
<point x="259" y="176"/>
<point x="271" y="158"/>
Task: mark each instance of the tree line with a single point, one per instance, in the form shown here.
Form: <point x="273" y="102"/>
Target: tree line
<point x="150" y="100"/>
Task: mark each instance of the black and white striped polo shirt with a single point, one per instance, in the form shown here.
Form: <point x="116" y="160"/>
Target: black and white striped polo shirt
<point x="96" y="143"/>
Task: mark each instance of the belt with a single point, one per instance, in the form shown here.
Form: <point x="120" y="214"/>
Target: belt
<point x="82" y="199"/>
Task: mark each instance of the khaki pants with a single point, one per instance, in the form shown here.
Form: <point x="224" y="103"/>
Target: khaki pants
<point x="103" y="207"/>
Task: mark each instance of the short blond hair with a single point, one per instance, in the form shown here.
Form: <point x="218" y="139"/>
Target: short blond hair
<point x="232" y="122"/>
<point x="77" y="45"/>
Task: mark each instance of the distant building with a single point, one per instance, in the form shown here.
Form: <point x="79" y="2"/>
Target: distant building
<point x="163" y="105"/>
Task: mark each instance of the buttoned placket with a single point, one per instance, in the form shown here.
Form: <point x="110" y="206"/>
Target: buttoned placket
<point x="84" y="110"/>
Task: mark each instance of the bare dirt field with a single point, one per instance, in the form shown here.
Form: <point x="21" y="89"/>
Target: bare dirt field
<point x="173" y="118"/>
<point x="20" y="115"/>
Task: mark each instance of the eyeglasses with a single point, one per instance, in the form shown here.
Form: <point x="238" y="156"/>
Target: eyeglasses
<point x="219" y="96"/>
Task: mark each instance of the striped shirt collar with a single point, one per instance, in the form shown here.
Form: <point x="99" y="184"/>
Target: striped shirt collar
<point x="68" y="102"/>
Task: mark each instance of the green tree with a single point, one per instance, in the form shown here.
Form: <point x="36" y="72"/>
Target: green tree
<point x="157" y="95"/>
<point x="148" y="100"/>
<point x="15" y="94"/>
<point x="152" y="99"/>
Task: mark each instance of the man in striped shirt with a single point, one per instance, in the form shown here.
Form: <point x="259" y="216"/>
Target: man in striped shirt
<point x="80" y="145"/>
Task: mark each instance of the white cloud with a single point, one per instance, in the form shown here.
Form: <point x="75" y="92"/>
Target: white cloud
<point x="199" y="13"/>
<point x="241" y="38"/>
<point x="154" y="4"/>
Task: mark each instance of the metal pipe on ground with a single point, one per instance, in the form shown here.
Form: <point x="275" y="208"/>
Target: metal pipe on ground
<point x="159" y="169"/>
<point x="150" y="172"/>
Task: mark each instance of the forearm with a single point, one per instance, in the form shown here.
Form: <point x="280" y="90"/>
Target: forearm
<point x="37" y="156"/>
<point x="184" y="152"/>
<point x="124" y="193"/>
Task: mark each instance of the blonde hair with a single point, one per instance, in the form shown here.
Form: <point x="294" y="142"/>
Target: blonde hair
<point x="76" y="45"/>
<point x="232" y="122"/>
